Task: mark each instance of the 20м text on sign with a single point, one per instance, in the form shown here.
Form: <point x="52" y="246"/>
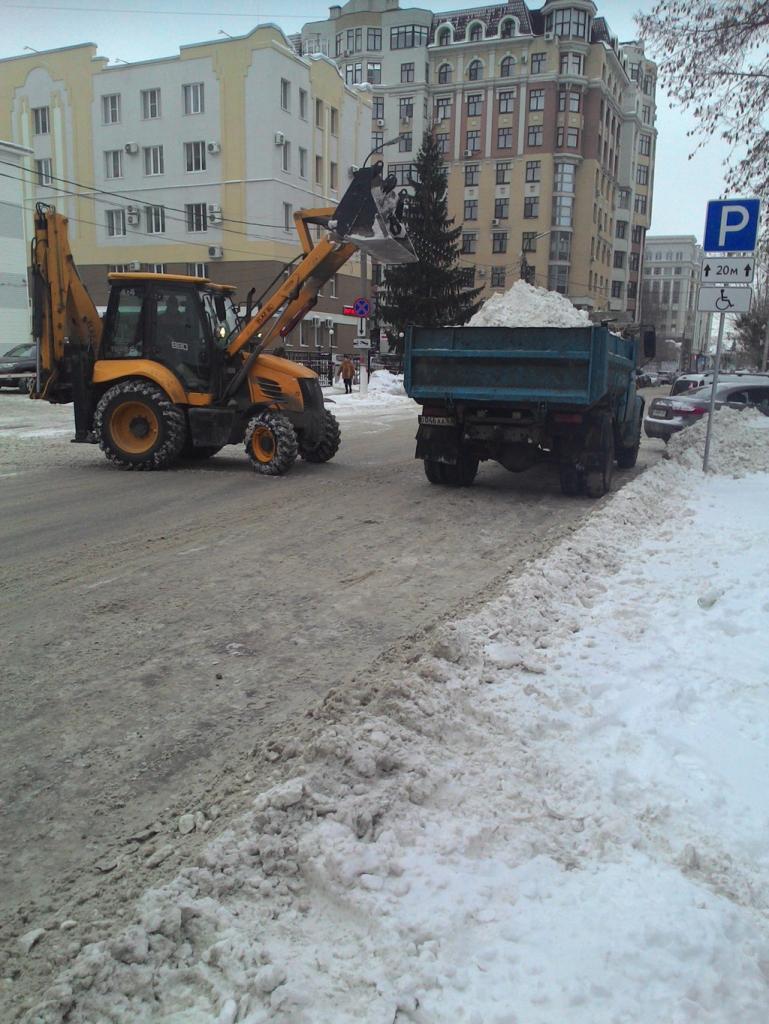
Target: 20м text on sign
<point x="727" y="270"/>
<point x="731" y="225"/>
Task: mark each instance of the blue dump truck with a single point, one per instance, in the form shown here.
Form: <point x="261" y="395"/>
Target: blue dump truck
<point x="523" y="395"/>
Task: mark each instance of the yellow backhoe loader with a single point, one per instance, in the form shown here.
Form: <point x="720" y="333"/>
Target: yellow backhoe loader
<point x="174" y="370"/>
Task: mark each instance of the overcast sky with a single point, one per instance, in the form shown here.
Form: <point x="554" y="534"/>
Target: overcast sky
<point x="132" y="30"/>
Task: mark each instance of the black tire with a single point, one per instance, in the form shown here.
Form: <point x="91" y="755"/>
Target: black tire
<point x="461" y="473"/>
<point x="138" y="426"/>
<point x="434" y="471"/>
<point x="26" y="384"/>
<point x="600" y="443"/>
<point x="571" y="479"/>
<point x="328" y="445"/>
<point x="271" y="444"/>
<point x="196" y="453"/>
<point x="627" y="457"/>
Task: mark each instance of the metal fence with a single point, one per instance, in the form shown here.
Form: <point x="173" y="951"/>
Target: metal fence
<point x="320" y="362"/>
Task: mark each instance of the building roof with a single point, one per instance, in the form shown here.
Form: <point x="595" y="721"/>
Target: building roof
<point x="490" y="16"/>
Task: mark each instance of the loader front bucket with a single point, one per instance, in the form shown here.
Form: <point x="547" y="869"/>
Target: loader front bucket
<point x="370" y="216"/>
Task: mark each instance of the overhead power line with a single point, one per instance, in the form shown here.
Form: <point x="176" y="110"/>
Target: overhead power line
<point x="157" y="11"/>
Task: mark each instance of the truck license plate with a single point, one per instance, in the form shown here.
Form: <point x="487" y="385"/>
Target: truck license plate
<point x="437" y="421"/>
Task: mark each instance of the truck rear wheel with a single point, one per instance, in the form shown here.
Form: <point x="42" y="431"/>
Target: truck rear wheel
<point x="138" y="426"/>
<point x="571" y="479"/>
<point x="459" y="474"/>
<point x="600" y="455"/>
<point x="328" y="445"/>
<point x="271" y="444"/>
<point x="628" y="456"/>
<point x="433" y="471"/>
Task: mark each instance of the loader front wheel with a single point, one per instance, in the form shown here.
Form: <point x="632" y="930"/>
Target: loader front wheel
<point x="139" y="427"/>
<point x="271" y="444"/>
<point x="328" y="445"/>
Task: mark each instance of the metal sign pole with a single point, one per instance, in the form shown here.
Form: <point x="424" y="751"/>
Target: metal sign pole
<point x="721" y="320"/>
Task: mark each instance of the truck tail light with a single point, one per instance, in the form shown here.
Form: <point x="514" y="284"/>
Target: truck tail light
<point x="568" y="417"/>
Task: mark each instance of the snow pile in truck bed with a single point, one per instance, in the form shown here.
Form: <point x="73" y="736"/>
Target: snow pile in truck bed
<point x="739" y="443"/>
<point x="523" y="305"/>
<point x="555" y="812"/>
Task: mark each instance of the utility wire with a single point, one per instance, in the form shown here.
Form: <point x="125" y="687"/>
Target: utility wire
<point x="141" y="10"/>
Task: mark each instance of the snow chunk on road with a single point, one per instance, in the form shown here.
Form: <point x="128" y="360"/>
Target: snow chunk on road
<point x="524" y="305"/>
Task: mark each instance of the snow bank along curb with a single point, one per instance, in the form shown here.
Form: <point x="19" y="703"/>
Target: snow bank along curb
<point x="554" y="815"/>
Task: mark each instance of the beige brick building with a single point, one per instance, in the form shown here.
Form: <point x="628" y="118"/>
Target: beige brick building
<point x="546" y="123"/>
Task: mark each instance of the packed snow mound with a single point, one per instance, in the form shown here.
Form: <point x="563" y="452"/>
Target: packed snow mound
<point x="739" y="443"/>
<point x="524" y="305"/>
<point x="390" y="383"/>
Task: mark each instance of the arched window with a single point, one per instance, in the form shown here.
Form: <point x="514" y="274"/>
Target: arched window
<point x="475" y="71"/>
<point x="444" y="37"/>
<point x="476" y="32"/>
<point x="444" y="74"/>
<point x="507" y="28"/>
<point x="507" y="67"/>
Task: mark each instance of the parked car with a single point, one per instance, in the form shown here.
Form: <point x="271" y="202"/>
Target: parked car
<point x="18" y="367"/>
<point x="668" y="415"/>
<point x="689" y="381"/>
<point x="642" y="380"/>
<point x="664" y="377"/>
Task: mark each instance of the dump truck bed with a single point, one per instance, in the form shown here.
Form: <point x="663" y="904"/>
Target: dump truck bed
<point x="564" y="366"/>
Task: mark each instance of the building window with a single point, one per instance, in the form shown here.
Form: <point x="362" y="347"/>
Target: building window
<point x="110" y="109"/>
<point x="505" y="101"/>
<point x="529" y="243"/>
<point x="572" y="138"/>
<point x="319" y="170"/>
<point x="339" y="44"/>
<point x="623" y="199"/>
<point x="333" y="176"/>
<point x="285" y="157"/>
<point x="562" y="94"/>
<point x="377" y="109"/>
<point x="44" y="171"/>
<point x="303" y="104"/>
<point x="503" y="172"/>
<point x="537" y="99"/>
<point x="474" y="104"/>
<point x="497" y="277"/>
<point x="533" y="170"/>
<point x="645" y="145"/>
<point x="472" y="174"/>
<point x="572" y="63"/>
<point x="475" y="71"/>
<point x="403" y="173"/>
<point x="373" y="39"/>
<point x="476" y="33"/>
<point x="640" y="204"/>
<point x="634" y="72"/>
<point x="469" y="242"/>
<point x="535" y="135"/>
<point x="468" y="277"/>
<point x="285" y="94"/>
<point x="538" y="63"/>
<point x="621" y="229"/>
<point x="444" y="74"/>
<point x="404" y="37"/>
<point x="116" y="223"/>
<point x="150" y="104"/>
<point x="407" y="72"/>
<point x="353" y="73"/>
<point x="504" y="138"/>
<point x="404" y="142"/>
<point x="619" y="260"/>
<point x="499" y="241"/>
<point x="334" y="121"/>
<point x="406" y="107"/>
<point x="646" y="114"/>
<point x="374" y="73"/>
<point x="41" y="121"/>
<point x="442" y="141"/>
<point x="444" y="37"/>
<point x="288" y="214"/>
<point x="642" y="174"/>
<point x="507" y="67"/>
<point x="302" y="162"/>
<point x="194" y="99"/>
<point x="194" y="156"/>
<point x="563" y="207"/>
<point x="197" y="219"/>
<point x="113" y="163"/>
<point x="156" y="219"/>
<point x="575" y="102"/>
<point x="530" y="207"/>
<point x="197" y="269"/>
<point x="648" y="86"/>
<point x="634" y="260"/>
<point x="319" y="122"/>
<point x="632" y="289"/>
<point x="153" y="160"/>
<point x="558" y="279"/>
<point x="501" y="209"/>
<point x="471" y="209"/>
<point x="442" y="109"/>
<point x="616" y="289"/>
<point x="473" y="140"/>
<point x="564" y="177"/>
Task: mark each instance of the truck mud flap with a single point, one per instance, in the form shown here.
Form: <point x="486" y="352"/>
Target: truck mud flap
<point x="440" y="443"/>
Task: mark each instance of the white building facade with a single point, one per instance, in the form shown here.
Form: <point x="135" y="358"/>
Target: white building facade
<point x="15" y="324"/>
<point x="671" y="285"/>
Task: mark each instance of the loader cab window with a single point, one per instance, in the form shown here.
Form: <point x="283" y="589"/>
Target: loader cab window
<point x="124" y="332"/>
<point x="222" y="317"/>
<point x="181" y="336"/>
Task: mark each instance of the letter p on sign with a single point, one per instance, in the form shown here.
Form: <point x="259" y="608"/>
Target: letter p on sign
<point x="731" y="225"/>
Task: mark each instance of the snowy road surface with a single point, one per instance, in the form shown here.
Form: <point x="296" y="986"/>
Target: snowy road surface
<point x="554" y="810"/>
<point x="162" y="625"/>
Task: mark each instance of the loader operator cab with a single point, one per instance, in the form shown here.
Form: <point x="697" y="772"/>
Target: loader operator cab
<point x="182" y="325"/>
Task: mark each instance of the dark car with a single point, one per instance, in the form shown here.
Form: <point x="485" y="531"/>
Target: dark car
<point x="666" y="416"/>
<point x="18" y="367"/>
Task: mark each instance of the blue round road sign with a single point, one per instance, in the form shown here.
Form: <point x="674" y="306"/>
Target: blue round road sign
<point x="361" y="307"/>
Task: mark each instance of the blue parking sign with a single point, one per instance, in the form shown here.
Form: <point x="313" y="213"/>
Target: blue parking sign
<point x="731" y="225"/>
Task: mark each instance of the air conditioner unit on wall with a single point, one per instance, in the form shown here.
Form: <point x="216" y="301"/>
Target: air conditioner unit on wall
<point x="215" y="252"/>
<point x="329" y="324"/>
<point x="495" y="222"/>
<point x="353" y="169"/>
<point x="380" y="122"/>
<point x="550" y="36"/>
<point x="132" y="147"/>
<point x="132" y="218"/>
<point x="280" y="139"/>
<point x="214" y="147"/>
<point x="469" y="152"/>
<point x="214" y="213"/>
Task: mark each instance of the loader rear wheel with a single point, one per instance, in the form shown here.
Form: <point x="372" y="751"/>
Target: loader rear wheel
<point x="139" y="427"/>
<point x="271" y="444"/>
<point x="328" y="445"/>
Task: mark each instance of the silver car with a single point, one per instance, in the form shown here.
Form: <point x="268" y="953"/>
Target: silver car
<point x="668" y="415"/>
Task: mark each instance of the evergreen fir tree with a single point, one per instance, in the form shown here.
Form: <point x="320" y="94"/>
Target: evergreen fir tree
<point x="433" y="292"/>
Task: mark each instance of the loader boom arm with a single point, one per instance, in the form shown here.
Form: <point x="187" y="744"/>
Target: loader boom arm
<point x="65" y="321"/>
